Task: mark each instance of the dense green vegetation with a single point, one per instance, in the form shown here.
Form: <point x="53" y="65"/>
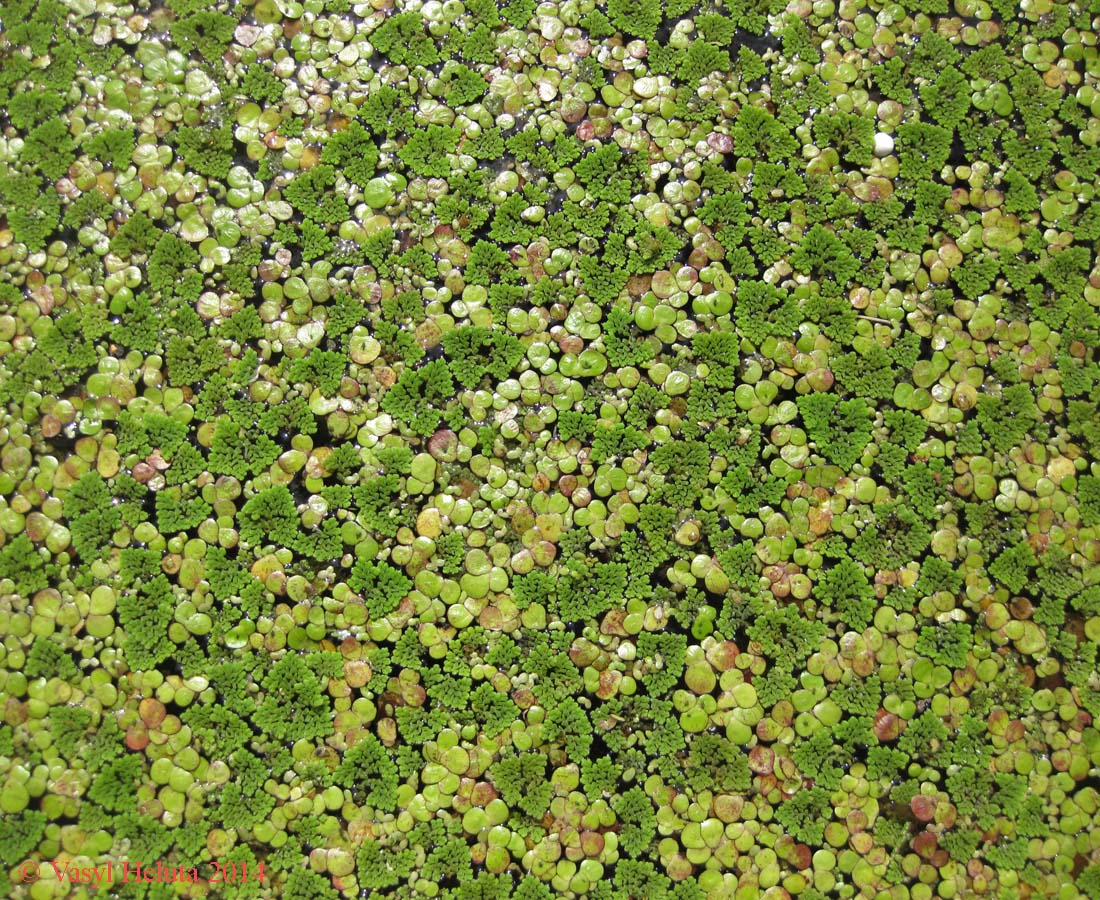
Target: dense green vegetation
<point x="625" y="451"/>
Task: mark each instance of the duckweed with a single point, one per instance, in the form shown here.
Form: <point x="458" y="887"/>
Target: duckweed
<point x="602" y="450"/>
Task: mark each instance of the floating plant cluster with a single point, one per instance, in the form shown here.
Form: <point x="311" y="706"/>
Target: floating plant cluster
<point x="618" y="451"/>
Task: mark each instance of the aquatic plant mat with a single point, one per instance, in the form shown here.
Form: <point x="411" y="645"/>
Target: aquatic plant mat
<point x="642" y="450"/>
